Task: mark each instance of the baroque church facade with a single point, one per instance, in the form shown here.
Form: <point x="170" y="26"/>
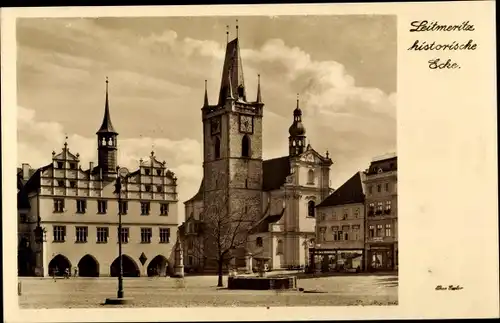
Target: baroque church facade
<point x="277" y="195"/>
<point x="68" y="216"/>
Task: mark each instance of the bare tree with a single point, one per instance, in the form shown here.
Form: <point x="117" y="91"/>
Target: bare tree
<point x="225" y="226"/>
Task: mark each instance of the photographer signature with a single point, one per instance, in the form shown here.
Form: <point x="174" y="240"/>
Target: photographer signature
<point x="449" y="287"/>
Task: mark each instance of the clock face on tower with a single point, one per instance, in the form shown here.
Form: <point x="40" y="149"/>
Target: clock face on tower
<point x="215" y="126"/>
<point x="246" y="124"/>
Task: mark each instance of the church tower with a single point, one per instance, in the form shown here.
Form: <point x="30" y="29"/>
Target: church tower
<point x="107" y="143"/>
<point x="297" y="138"/>
<point x="232" y="143"/>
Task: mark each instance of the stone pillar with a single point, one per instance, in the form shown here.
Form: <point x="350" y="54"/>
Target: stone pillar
<point x="232" y="267"/>
<point x="248" y="263"/>
<point x="178" y="259"/>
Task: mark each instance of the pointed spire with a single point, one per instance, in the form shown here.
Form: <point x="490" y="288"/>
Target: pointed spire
<point x="227" y="34"/>
<point x="232" y="65"/>
<point x="107" y="126"/>
<point x="237" y="29"/>
<point x="259" y="97"/>
<point x="205" y="101"/>
<point x="66" y="141"/>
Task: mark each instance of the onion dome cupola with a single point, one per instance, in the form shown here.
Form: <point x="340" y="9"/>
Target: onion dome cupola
<point x="297" y="131"/>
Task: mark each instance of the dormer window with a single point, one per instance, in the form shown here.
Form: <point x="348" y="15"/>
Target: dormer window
<point x="60" y="165"/>
<point x="72" y="184"/>
<point x="147" y="171"/>
<point x="158" y="172"/>
<point x="259" y="242"/>
<point x="72" y="165"/>
<point x="60" y="183"/>
<point x="148" y="188"/>
<point x="159" y="188"/>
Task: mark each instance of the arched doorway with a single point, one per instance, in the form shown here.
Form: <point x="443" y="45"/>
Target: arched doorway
<point x="130" y="268"/>
<point x="158" y="266"/>
<point x="58" y="265"/>
<point x="88" y="267"/>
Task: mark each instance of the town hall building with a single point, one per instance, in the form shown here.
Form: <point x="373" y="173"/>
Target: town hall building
<point x="68" y="216"/>
<point x="277" y="195"/>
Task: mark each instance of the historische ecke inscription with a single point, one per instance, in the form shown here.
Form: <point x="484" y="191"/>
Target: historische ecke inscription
<point x="439" y="63"/>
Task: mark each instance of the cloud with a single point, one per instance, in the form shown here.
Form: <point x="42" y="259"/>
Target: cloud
<point x="157" y="91"/>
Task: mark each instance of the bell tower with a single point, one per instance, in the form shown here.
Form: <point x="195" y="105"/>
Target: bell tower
<point x="232" y="142"/>
<point x="107" y="144"/>
<point x="297" y="131"/>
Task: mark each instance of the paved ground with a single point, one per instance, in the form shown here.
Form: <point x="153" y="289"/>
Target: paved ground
<point x="202" y="291"/>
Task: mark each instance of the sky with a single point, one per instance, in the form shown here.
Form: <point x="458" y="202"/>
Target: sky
<point x="342" y="67"/>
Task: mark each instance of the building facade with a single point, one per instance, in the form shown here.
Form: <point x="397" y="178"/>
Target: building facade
<point x="381" y="214"/>
<point x="340" y="229"/>
<point x="71" y="214"/>
<point x="278" y="195"/>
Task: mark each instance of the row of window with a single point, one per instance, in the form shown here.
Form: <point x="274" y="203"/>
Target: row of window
<point x="343" y="233"/>
<point x="74" y="165"/>
<point x="378" y="231"/>
<point x="379" y="188"/>
<point x="147" y="187"/>
<point x="379" y="209"/>
<point x="102" y="207"/>
<point x="102" y="234"/>
<point x="342" y="216"/>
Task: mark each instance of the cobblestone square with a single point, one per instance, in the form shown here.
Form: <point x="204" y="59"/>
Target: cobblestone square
<point x="202" y="291"/>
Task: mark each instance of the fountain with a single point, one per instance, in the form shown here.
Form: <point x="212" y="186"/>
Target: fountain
<point x="262" y="281"/>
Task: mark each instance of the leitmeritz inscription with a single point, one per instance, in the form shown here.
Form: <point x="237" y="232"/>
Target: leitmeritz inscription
<point x="440" y="63"/>
<point x="449" y="287"/>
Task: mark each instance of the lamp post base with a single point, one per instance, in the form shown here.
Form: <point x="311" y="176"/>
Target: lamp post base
<point x="118" y="301"/>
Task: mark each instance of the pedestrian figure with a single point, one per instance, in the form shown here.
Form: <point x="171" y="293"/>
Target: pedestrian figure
<point x="76" y="272"/>
<point x="55" y="271"/>
<point x="66" y="273"/>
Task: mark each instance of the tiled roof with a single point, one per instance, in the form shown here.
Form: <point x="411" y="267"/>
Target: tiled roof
<point x="274" y="172"/>
<point x="263" y="225"/>
<point x="350" y="192"/>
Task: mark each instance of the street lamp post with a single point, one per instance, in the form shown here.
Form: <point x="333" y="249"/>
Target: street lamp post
<point x="120" y="299"/>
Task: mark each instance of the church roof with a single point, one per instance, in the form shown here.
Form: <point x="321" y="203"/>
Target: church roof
<point x="263" y="225"/>
<point x="350" y="192"/>
<point x="233" y="71"/>
<point x="274" y="173"/>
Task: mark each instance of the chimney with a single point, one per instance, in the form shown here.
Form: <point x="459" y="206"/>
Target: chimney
<point x="26" y="171"/>
<point x="91" y="165"/>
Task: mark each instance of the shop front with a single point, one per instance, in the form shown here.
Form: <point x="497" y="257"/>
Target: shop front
<point x="335" y="260"/>
<point x="381" y="257"/>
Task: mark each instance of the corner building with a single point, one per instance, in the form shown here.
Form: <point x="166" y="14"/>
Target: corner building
<point x="280" y="193"/>
<point x="75" y="212"/>
<point x="381" y="228"/>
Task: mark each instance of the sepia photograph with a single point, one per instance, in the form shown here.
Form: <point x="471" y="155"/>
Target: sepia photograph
<point x="207" y="161"/>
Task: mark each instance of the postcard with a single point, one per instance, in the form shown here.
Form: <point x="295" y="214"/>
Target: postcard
<point x="250" y="162"/>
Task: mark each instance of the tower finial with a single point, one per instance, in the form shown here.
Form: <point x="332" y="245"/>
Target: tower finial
<point x="65" y="141"/>
<point x="227" y="33"/>
<point x="237" y="27"/>
<point x="205" y="101"/>
<point x="297" y="101"/>
<point x="259" y="97"/>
